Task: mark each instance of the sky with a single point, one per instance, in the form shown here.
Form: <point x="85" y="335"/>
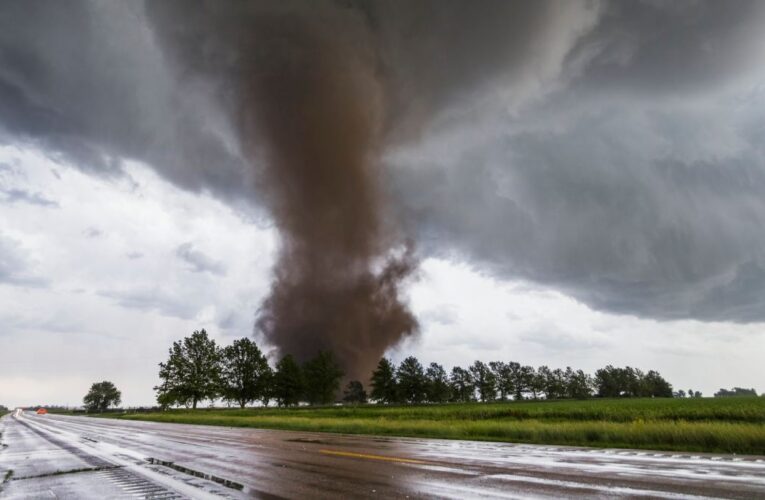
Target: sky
<point x="583" y="183"/>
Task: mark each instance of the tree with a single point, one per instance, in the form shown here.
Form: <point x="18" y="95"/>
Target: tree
<point x="192" y="372"/>
<point x="321" y="377"/>
<point x="411" y="380"/>
<point x="553" y="381"/>
<point x="578" y="384"/>
<point x="244" y="372"/>
<point x="267" y="385"/>
<point x="736" y="391"/>
<point x="609" y="382"/>
<point x="288" y="382"/>
<point x="656" y="387"/>
<point x="354" y="393"/>
<point x="101" y="396"/>
<point x="463" y="386"/>
<point x="484" y="380"/>
<point x="521" y="377"/>
<point x="502" y="374"/>
<point x="437" y="388"/>
<point x="384" y="384"/>
<point x="539" y="382"/>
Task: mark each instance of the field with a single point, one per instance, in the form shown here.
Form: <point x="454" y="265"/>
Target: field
<point x="731" y="425"/>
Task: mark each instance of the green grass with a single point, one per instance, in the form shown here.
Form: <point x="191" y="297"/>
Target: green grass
<point x="732" y="425"/>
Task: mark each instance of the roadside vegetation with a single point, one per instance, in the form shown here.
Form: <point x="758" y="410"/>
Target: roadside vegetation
<point x="729" y="425"/>
<point x="198" y="370"/>
<point x="497" y="401"/>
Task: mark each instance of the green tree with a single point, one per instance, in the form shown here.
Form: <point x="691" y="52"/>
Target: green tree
<point x="437" y="388"/>
<point x="267" y="385"/>
<point x="502" y="374"/>
<point x="521" y="377"/>
<point x="463" y="387"/>
<point x="411" y="380"/>
<point x="655" y="386"/>
<point x="736" y="391"/>
<point x="485" y="382"/>
<point x="322" y="377"/>
<point x="101" y="396"/>
<point x="383" y="382"/>
<point x="354" y="393"/>
<point x="192" y="372"/>
<point x="578" y="384"/>
<point x="288" y="382"/>
<point x="555" y="384"/>
<point x="243" y="370"/>
<point x="609" y="382"/>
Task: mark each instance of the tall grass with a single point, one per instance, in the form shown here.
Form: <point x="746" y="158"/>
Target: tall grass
<point x="732" y="425"/>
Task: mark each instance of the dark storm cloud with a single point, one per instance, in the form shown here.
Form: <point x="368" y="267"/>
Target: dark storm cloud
<point x="85" y="81"/>
<point x="628" y="171"/>
<point x="639" y="188"/>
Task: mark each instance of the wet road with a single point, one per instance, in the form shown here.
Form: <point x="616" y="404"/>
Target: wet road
<point x="55" y="456"/>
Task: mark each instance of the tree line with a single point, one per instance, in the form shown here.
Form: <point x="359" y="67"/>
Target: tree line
<point x="410" y="382"/>
<point x="736" y="391"/>
<point x="197" y="369"/>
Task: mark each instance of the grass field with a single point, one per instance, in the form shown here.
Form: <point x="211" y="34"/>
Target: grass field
<point x="732" y="425"/>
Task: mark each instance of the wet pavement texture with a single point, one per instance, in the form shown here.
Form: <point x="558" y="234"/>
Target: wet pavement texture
<point x="56" y="456"/>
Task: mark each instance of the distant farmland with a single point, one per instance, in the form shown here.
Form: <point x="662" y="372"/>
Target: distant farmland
<point x="730" y="425"/>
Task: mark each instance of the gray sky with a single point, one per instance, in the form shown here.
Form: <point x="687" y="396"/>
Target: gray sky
<point x="585" y="183"/>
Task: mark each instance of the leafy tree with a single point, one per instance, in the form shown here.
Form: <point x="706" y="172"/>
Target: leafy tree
<point x="411" y="380"/>
<point x="354" y="393"/>
<point x="538" y="382"/>
<point x="578" y="384"/>
<point x="101" y="396"/>
<point x="192" y="372"/>
<point x="503" y="377"/>
<point x="463" y="386"/>
<point x="243" y="372"/>
<point x="267" y="385"/>
<point x="321" y="377"/>
<point x="522" y="377"/>
<point x="288" y="382"/>
<point x="679" y="394"/>
<point x="437" y="384"/>
<point x="555" y="384"/>
<point x="655" y="386"/>
<point x="384" y="384"/>
<point x="612" y="382"/>
<point x="736" y="391"/>
<point x="484" y="380"/>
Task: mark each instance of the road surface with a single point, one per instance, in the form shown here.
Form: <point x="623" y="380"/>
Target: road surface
<point x="53" y="456"/>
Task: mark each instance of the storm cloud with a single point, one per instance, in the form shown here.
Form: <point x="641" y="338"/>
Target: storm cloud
<point x="610" y="150"/>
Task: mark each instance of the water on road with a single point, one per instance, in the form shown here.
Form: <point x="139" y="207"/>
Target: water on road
<point x="56" y="456"/>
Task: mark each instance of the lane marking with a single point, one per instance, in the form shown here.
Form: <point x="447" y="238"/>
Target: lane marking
<point x="383" y="458"/>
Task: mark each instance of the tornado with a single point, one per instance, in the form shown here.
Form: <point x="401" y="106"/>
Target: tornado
<point x="313" y="115"/>
<point x="318" y="91"/>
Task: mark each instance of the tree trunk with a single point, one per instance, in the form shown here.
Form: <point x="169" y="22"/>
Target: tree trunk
<point x="194" y="403"/>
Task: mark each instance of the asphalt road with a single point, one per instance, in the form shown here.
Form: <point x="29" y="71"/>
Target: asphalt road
<point x="55" y="456"/>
